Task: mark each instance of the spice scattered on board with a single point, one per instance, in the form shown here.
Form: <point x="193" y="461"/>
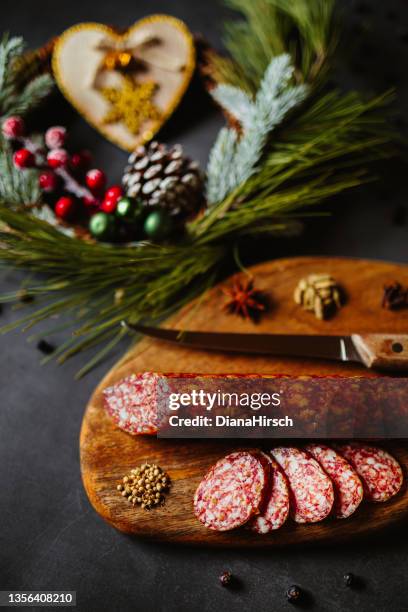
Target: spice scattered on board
<point x="293" y="594"/>
<point x="319" y="293"/>
<point x="395" y="296"/>
<point x="145" y="486"/>
<point x="45" y="347"/>
<point x="349" y="579"/>
<point x="245" y="300"/>
<point x="225" y="579"/>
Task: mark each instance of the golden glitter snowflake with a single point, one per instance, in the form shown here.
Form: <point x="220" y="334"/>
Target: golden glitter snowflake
<point x="132" y="104"/>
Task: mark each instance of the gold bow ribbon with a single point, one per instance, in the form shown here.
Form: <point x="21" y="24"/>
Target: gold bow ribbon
<point x="121" y="56"/>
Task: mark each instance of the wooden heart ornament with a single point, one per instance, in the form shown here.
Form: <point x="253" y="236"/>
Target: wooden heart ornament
<point x="125" y="84"/>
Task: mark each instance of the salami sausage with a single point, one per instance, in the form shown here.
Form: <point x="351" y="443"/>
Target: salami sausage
<point x="276" y="506"/>
<point x="347" y="485"/>
<point x="232" y="490"/>
<point x="132" y="403"/>
<point x="380" y="473"/>
<point x="311" y="490"/>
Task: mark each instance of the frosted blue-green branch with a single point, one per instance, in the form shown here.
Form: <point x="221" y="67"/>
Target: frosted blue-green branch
<point x="234" y="159"/>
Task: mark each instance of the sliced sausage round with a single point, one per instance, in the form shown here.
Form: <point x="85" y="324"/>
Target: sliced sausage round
<point x="276" y="506"/>
<point x="132" y="403"/>
<point x="380" y="473"/>
<point x="348" y="489"/>
<point x="232" y="490"/>
<point x="311" y="490"/>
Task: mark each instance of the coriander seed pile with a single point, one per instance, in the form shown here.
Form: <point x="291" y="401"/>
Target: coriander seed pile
<point x="145" y="485"/>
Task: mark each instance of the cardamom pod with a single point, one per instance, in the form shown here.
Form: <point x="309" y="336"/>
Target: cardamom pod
<point x="320" y="294"/>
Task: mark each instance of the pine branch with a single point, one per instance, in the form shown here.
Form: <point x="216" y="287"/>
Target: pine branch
<point x="16" y="188"/>
<point x="14" y="98"/>
<point x="233" y="161"/>
<point x="220" y="172"/>
<point x="326" y="146"/>
<point x="154" y="279"/>
<point x="32" y="95"/>
<point x="9" y="49"/>
<point x="276" y="78"/>
<point x="303" y="28"/>
<point x="235" y="101"/>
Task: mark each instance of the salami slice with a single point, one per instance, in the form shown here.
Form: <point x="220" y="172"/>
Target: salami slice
<point x="311" y="490"/>
<point x="276" y="507"/>
<point x="348" y="489"/>
<point x="132" y="403"/>
<point x="380" y="473"/>
<point x="232" y="491"/>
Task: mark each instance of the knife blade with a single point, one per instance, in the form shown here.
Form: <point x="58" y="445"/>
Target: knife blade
<point x="372" y="350"/>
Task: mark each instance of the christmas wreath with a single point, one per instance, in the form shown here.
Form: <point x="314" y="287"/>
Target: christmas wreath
<point x="142" y="249"/>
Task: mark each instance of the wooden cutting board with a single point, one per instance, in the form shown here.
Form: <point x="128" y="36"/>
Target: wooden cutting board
<point x="107" y="453"/>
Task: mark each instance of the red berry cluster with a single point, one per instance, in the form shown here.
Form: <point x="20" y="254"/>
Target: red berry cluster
<point x="76" y="191"/>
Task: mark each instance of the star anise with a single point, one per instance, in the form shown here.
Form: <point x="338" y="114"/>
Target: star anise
<point x="244" y="300"/>
<point x="395" y="296"/>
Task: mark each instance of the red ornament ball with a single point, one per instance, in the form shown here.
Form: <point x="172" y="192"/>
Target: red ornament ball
<point x="65" y="207"/>
<point x="109" y="205"/>
<point x="58" y="158"/>
<point x="114" y="193"/>
<point x="81" y="161"/>
<point x="95" y="179"/>
<point x="13" y="127"/>
<point x="23" y="158"/>
<point x="48" y="181"/>
<point x="55" y="137"/>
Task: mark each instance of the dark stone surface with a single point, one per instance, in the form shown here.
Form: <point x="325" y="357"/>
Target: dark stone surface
<point x="50" y="537"/>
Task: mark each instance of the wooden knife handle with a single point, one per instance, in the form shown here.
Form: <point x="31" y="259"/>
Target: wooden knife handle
<point x="383" y="351"/>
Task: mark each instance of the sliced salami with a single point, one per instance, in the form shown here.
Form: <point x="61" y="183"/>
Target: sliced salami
<point x="276" y="506"/>
<point x="380" y="473"/>
<point x="132" y="403"/>
<point x="232" y="491"/>
<point x="348" y="489"/>
<point x="311" y="490"/>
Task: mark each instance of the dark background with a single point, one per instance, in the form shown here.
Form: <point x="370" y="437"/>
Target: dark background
<point x="50" y="537"/>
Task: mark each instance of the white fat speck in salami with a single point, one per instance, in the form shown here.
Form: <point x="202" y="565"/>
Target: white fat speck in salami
<point x="232" y="491"/>
<point x="380" y="473"/>
<point x="132" y="403"/>
<point x="348" y="489"/>
<point x="276" y="506"/>
<point x="310" y="489"/>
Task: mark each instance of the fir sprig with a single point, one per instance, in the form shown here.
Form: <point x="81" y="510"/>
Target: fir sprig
<point x="234" y="159"/>
<point x="322" y="152"/>
<point x="16" y="188"/>
<point x="14" y="98"/>
<point x="305" y="29"/>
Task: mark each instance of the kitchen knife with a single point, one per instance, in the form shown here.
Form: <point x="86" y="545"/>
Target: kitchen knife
<point x="382" y="351"/>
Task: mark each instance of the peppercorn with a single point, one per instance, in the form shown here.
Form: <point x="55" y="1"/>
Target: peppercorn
<point x="226" y="578"/>
<point x="348" y="579"/>
<point x="45" y="347"/>
<point x="395" y="296"/>
<point x="293" y="593"/>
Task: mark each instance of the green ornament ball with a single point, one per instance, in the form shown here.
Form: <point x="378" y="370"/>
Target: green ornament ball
<point x="158" y="225"/>
<point x="102" y="226"/>
<point x="128" y="209"/>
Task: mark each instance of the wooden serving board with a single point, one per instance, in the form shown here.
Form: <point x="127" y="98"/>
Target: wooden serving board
<point x="107" y="453"/>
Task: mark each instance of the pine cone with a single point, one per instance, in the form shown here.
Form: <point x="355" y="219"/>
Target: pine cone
<point x="162" y="177"/>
